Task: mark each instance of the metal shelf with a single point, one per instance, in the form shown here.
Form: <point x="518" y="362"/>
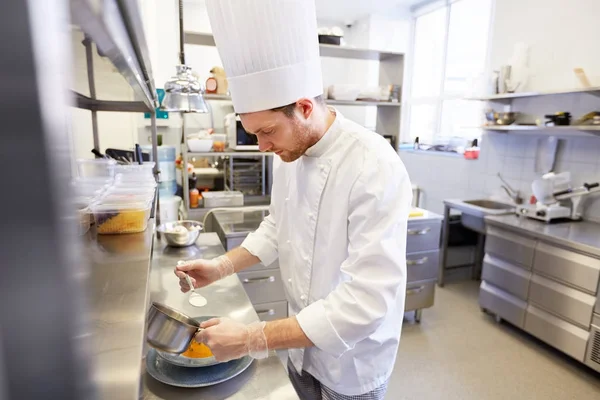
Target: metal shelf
<point x="326" y="50"/>
<point x="510" y="96"/>
<point x="88" y="103"/>
<point x="116" y="29"/>
<point x="221" y="97"/>
<point x="229" y="153"/>
<point x="570" y="130"/>
<point x="362" y="103"/>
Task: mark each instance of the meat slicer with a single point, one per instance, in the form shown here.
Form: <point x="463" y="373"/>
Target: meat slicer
<point x="556" y="200"/>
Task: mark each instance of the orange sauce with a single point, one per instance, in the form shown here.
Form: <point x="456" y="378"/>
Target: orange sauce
<point x="197" y="350"/>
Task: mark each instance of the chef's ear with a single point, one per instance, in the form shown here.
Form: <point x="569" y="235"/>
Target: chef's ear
<point x="305" y="107"/>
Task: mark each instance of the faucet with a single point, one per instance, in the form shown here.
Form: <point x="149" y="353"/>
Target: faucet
<point x="512" y="193"/>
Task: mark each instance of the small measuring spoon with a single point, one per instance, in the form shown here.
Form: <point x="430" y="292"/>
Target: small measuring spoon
<point x="195" y="299"/>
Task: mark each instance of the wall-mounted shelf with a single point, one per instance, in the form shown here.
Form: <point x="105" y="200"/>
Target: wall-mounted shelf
<point x="570" y="130"/>
<point x="510" y="96"/>
<point x="326" y="50"/>
<point x="229" y="153"/>
<point x="221" y="97"/>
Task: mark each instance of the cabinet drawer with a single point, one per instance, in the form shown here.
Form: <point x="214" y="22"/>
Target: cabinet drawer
<point x="232" y="243"/>
<point x="261" y="266"/>
<point x="422" y="266"/>
<point x="272" y="311"/>
<point x="566" y="337"/>
<point x="562" y="300"/>
<point x="263" y="286"/>
<point x="423" y="236"/>
<point x="572" y="268"/>
<point x="511" y="279"/>
<point x="510" y="246"/>
<point x="419" y="295"/>
<point x="504" y="305"/>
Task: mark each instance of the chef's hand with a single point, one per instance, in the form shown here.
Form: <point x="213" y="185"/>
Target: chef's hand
<point x="230" y="340"/>
<point x="203" y="272"/>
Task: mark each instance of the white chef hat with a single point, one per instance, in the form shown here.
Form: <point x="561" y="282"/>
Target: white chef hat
<point x="269" y="49"/>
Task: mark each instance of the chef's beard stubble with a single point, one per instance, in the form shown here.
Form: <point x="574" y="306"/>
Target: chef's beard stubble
<point x="303" y="138"/>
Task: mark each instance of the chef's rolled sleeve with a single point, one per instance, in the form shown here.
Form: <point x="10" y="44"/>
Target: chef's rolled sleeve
<point x="318" y="328"/>
<point x="263" y="242"/>
<point x="376" y="264"/>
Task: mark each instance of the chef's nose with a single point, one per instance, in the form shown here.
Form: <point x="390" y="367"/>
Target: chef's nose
<point x="264" y="145"/>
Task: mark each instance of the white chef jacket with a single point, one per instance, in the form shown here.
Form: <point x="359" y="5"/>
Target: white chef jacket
<point x="338" y="221"/>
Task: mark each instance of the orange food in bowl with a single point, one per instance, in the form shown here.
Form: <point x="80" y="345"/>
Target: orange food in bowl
<point x="197" y="350"/>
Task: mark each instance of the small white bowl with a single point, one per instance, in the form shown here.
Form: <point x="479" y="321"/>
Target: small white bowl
<point x="200" y="145"/>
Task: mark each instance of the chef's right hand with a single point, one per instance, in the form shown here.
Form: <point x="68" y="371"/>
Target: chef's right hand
<point x="203" y="272"/>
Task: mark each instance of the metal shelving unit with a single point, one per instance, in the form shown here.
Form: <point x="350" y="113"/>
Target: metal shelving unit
<point x="391" y="71"/>
<point x="569" y="130"/>
<point x="507" y="97"/>
<point x="221" y="97"/>
<point x="41" y="234"/>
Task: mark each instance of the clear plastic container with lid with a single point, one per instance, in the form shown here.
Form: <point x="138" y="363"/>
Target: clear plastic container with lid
<point x="131" y="190"/>
<point x="121" y="218"/>
<point x="98" y="168"/>
<point x="145" y="170"/>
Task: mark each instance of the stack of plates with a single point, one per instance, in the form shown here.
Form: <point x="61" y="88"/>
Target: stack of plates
<point x="181" y="371"/>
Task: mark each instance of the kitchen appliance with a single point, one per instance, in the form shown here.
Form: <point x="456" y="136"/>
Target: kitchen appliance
<point x="237" y="136"/>
<point x="169" y="330"/>
<point x="559" y="119"/>
<point x="556" y="200"/>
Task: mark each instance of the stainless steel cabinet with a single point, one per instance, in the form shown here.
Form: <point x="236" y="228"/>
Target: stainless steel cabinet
<point x="549" y="291"/>
<point x="272" y="311"/>
<point x="423" y="236"/>
<point x="566" y="337"/>
<point x="513" y="279"/>
<point x="510" y="246"/>
<point x="571" y="304"/>
<point x="263" y="286"/>
<point x="569" y="267"/>
<point x="422" y="261"/>
<point x="504" y="305"/>
<point x="422" y="266"/>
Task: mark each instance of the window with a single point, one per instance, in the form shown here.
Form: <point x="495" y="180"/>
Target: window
<point x="449" y="55"/>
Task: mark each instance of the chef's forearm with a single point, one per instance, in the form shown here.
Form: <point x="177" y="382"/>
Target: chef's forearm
<point x="286" y="334"/>
<point x="242" y="258"/>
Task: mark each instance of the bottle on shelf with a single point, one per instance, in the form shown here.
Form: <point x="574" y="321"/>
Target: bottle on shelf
<point x="194" y="198"/>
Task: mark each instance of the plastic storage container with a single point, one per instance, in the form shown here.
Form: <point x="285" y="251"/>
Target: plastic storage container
<point x="121" y="218"/>
<point x="99" y="168"/>
<point x="166" y="164"/>
<point x="223" y="199"/>
<point x="144" y="170"/>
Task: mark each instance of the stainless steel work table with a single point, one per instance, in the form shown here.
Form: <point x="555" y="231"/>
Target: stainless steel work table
<point x="582" y="236"/>
<point x="265" y="379"/>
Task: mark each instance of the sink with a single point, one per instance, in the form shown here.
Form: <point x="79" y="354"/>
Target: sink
<point x="474" y="211"/>
<point x="490" y="204"/>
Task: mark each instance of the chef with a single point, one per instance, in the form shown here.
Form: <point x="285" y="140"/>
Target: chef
<point x="338" y="215"/>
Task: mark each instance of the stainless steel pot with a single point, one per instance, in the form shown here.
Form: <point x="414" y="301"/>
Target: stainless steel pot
<point x="169" y="330"/>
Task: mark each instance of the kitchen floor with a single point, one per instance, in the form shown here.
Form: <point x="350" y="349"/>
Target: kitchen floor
<point x="458" y="352"/>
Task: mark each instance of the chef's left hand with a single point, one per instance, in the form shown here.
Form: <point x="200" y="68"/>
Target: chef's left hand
<point x="230" y="340"/>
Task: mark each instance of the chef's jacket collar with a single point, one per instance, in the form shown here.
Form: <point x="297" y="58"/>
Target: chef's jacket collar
<point x="328" y="139"/>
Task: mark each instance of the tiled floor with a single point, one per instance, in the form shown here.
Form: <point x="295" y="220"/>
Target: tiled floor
<point x="457" y="352"/>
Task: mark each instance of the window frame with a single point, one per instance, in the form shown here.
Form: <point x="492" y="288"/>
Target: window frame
<point x="438" y="101"/>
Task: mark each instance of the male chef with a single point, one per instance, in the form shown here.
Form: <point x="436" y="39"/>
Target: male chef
<point x="338" y="215"/>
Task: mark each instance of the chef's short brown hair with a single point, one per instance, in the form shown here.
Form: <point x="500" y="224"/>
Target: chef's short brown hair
<point x="289" y="109"/>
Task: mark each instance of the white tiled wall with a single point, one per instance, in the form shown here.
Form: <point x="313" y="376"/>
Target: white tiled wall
<point x="443" y="177"/>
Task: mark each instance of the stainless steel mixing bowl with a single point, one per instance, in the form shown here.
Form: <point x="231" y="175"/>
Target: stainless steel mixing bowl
<point x="182" y="239"/>
<point x="169" y="330"/>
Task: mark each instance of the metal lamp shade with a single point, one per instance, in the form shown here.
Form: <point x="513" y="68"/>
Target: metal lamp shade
<point x="183" y="93"/>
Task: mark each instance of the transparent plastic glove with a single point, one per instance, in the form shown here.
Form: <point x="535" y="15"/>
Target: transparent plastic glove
<point x="203" y="272"/>
<point x="229" y="340"/>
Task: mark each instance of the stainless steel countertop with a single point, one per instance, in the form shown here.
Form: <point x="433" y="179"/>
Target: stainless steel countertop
<point x="239" y="223"/>
<point x="582" y="236"/>
<point x="265" y="379"/>
<point x="118" y="296"/>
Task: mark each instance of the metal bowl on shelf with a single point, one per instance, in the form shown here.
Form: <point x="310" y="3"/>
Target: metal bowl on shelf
<point x="180" y="233"/>
<point x="507" y="118"/>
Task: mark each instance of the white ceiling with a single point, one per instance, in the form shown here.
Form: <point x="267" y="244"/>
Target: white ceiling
<point x="352" y="10"/>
